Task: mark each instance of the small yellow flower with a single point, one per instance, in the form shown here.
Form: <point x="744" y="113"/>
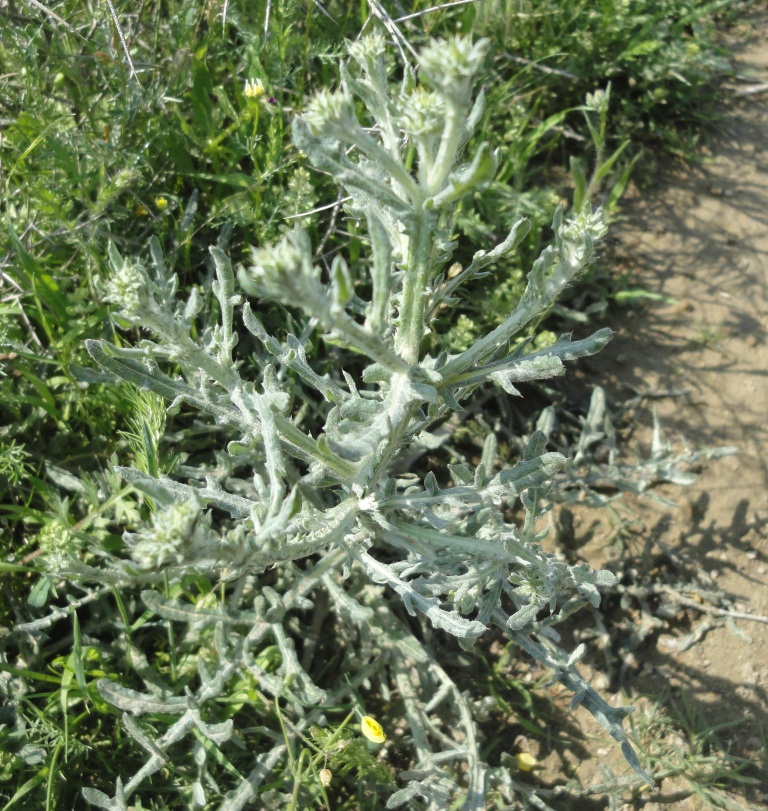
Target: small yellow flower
<point x="140" y="211"/>
<point x="161" y="203"/>
<point x="325" y="776"/>
<point x="254" y="89"/>
<point x="372" y="729"/>
<point x="526" y="762"/>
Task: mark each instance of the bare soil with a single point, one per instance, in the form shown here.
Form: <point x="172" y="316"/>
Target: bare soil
<point x="699" y="238"/>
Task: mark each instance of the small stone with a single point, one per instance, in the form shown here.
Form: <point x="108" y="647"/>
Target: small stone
<point x="602" y="682"/>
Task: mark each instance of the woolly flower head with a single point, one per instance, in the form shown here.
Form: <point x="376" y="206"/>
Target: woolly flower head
<point x="368" y="50"/>
<point x="448" y="64"/>
<point x="331" y="114"/>
<point x="585" y="222"/>
<point x="598" y="101"/>
<point x="178" y="533"/>
<point x="578" y="236"/>
<point x="283" y="272"/>
<point x="285" y="257"/>
<point x="544" y="580"/>
<point x="422" y="113"/>
<point x="128" y="288"/>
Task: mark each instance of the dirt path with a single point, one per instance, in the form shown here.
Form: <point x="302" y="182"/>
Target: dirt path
<point x="700" y="238"/>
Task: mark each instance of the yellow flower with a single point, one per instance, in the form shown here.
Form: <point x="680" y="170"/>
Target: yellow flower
<point x="254" y="89"/>
<point x="372" y="729"/>
<point x="161" y="203"/>
<point x="526" y="762"/>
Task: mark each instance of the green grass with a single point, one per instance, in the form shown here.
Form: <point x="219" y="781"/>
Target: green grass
<point x="690" y="752"/>
<point x="91" y="154"/>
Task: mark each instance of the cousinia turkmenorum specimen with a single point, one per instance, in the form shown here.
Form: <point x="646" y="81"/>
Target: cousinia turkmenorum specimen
<point x="324" y="508"/>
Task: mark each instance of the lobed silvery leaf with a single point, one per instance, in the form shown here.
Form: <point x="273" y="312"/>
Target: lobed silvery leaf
<point x="292" y="356"/>
<point x="139" y="703"/>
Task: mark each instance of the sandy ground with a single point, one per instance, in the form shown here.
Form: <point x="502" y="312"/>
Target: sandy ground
<point x="700" y="239"/>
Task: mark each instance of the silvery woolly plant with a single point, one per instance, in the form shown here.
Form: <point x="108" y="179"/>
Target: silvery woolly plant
<point x="334" y="511"/>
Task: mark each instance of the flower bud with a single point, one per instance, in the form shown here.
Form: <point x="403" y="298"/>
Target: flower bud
<point x="422" y="113"/>
<point x="372" y="729"/>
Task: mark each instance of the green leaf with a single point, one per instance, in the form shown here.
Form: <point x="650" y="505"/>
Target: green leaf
<point x="200" y="97"/>
<point x="38" y="596"/>
<point x="579" y="177"/>
<point x="470" y="178"/>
